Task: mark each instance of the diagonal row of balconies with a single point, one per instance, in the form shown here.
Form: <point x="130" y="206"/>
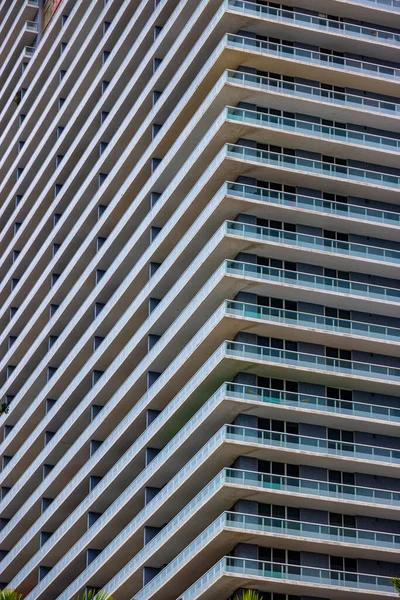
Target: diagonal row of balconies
<point x="257" y="154"/>
<point x="230" y="239"/>
<point x="272" y="240"/>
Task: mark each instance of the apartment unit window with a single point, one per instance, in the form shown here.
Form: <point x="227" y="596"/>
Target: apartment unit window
<point x="338" y="353"/>
<point x="334" y="161"/>
<point x="338" y="563"/>
<point x="277" y="343"/>
<point x="342" y="398"/>
<point x="277" y="303"/>
<point x="337" y="313"/>
<point x="279" y="512"/>
<point x="276" y="263"/>
<point x="335" y="198"/>
<point x="336" y="235"/>
<point x="338" y="435"/>
<point x="341" y="478"/>
<point x="338" y="520"/>
<point x="272" y="224"/>
<point x="278" y="384"/>
<point x="278" y="555"/>
<point x="275" y="468"/>
<point x="334" y="274"/>
<point x="278" y="426"/>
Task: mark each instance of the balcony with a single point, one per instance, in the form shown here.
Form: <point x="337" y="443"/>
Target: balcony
<point x="309" y="402"/>
<point x="333" y="69"/>
<point x="311" y="361"/>
<point x="287" y="486"/>
<point x="314" y="204"/>
<point x="352" y="174"/>
<point x="300" y="319"/>
<point x="282" y="16"/>
<point x="307" y="444"/>
<point x="321" y="132"/>
<point x="231" y="573"/>
<point x="309" y="244"/>
<point x="226" y="530"/>
<point x="302" y="90"/>
<point x="288" y="95"/>
<point x="314" y="282"/>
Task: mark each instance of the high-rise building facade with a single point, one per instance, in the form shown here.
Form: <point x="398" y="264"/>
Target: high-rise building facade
<point x="200" y="298"/>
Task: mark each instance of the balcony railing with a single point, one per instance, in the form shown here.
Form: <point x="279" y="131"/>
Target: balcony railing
<point x="322" y="24"/>
<point x="300" y="319"/>
<point x="266" y="525"/>
<point x="392" y="4"/>
<point x="334" y="134"/>
<point x="325" y="489"/>
<point x="297" y="574"/>
<point x="314" y="93"/>
<point x="32" y="26"/>
<point x="341" y="535"/>
<point x="360" y="67"/>
<point x="310" y="444"/>
<point x="316" y="282"/>
<point x="311" y="242"/>
<point x="311" y="361"/>
<point x="313" y="167"/>
<point x="29" y="50"/>
<point x="351" y="211"/>
<point x="310" y="402"/>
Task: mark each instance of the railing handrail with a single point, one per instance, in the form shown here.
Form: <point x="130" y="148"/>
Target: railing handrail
<point x="286" y="196"/>
<point x="306" y="480"/>
<point x="308" y="396"/>
<point x="281" y="84"/>
<point x="280" y="119"/>
<point x="337" y="25"/>
<point x="283" y="312"/>
<point x="337" y="169"/>
<point x="284" y="271"/>
<point x="330" y="58"/>
<point x="306" y="355"/>
<point x="283" y="521"/>
<point x="283" y="436"/>
<point x="282" y="233"/>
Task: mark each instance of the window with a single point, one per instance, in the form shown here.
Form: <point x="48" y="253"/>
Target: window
<point x="341" y="478"/>
<point x="336" y="274"/>
<point x="283" y="344"/>
<point x="270" y="223"/>
<point x="278" y="555"/>
<point x="277" y="303"/>
<point x="338" y="435"/>
<point x="338" y="520"/>
<point x="276" y="263"/>
<point x="337" y="313"/>
<point x="278" y="426"/>
<point x="335" y="198"/>
<point x="334" y="161"/>
<point x="276" y="343"/>
<point x="337" y="353"/>
<point x="338" y="563"/>
<point x="277" y="596"/>
<point x="278" y="384"/>
<point x="336" y="235"/>
<point x="279" y="512"/>
<point x="275" y="468"/>
<point x="342" y="398"/>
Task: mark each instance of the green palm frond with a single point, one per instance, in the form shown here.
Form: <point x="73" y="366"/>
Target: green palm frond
<point x="396" y="583"/>
<point x="10" y="595"/>
<point x="92" y="595"/>
<point x="249" y="595"/>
